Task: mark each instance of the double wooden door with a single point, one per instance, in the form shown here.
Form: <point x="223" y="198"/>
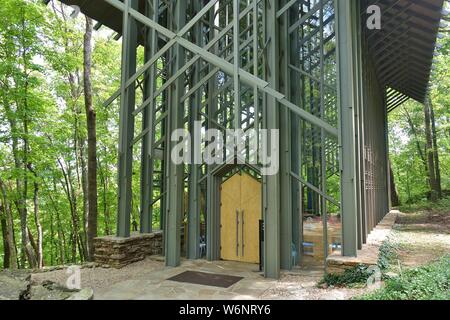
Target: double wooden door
<point x="239" y="218"/>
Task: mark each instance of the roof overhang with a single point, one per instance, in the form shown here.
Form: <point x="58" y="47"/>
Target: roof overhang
<point x="403" y="49"/>
<point x="104" y="13"/>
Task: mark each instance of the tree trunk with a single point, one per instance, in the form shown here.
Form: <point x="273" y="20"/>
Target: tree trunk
<point x="52" y="239"/>
<point x="84" y="187"/>
<point x="71" y="197"/>
<point x="92" y="141"/>
<point x="436" y="151"/>
<point x="6" y="247"/>
<point x="429" y="152"/>
<point x="394" y="194"/>
<point x="104" y="183"/>
<point x="21" y="185"/>
<point x="37" y="221"/>
<point x="10" y="259"/>
<point x="416" y="138"/>
<point x="61" y="234"/>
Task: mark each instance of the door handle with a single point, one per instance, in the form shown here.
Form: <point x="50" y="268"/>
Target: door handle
<point x="237" y="233"/>
<point x="242" y="234"/>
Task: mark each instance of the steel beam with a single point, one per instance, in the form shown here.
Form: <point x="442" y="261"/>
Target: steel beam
<point x="212" y="188"/>
<point x="271" y="184"/>
<point x="126" y="120"/>
<point x="175" y="172"/>
<point x="294" y="86"/>
<point x="148" y="121"/>
<point x="345" y="22"/>
<point x="193" y="245"/>
<point x="285" y="150"/>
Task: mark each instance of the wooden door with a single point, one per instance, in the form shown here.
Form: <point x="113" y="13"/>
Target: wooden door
<point x="230" y="199"/>
<point x="250" y="216"/>
<point x="240" y="215"/>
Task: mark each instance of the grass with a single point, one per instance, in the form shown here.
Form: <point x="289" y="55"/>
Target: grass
<point x="414" y="260"/>
<point x="430" y="282"/>
<point x="441" y="205"/>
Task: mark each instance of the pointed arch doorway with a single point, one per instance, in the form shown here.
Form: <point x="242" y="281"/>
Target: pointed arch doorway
<point x="240" y="213"/>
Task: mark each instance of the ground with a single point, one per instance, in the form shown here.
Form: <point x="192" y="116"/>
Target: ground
<point x="420" y="237"/>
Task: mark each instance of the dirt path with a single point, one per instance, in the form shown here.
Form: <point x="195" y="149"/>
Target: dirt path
<point x="419" y="238"/>
<point x="422" y="237"/>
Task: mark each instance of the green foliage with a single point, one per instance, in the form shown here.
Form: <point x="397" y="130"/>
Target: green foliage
<point x="431" y="282"/>
<point x="387" y="254"/>
<point x="359" y="275"/>
<point x="406" y="137"/>
<point x="351" y="277"/>
<point x="442" y="205"/>
<point x="41" y="102"/>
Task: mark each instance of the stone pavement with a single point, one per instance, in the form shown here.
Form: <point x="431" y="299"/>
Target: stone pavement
<point x="155" y="286"/>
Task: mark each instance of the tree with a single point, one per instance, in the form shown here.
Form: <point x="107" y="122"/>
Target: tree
<point x="7" y="224"/>
<point x="92" y="141"/>
<point x="395" y="200"/>
<point x="431" y="161"/>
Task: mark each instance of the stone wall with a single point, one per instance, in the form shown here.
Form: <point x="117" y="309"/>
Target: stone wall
<point x="369" y="253"/>
<point x="120" y="252"/>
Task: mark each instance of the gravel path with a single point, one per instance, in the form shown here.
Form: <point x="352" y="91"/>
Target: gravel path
<point x="294" y="287"/>
<point x="422" y="237"/>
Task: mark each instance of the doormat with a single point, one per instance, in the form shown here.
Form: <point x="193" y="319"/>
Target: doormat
<point x="206" y="279"/>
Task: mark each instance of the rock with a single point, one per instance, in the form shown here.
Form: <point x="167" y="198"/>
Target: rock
<point x="334" y="295"/>
<point x="41" y="292"/>
<point x="89" y="265"/>
<point x="50" y="285"/>
<point x="14" y="284"/>
<point x="84" y="294"/>
<point x="323" y="286"/>
<point x="391" y="275"/>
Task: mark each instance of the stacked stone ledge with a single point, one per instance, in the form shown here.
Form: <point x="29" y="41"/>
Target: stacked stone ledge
<point x="120" y="252"/>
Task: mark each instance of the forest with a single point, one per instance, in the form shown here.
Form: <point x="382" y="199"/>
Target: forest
<point x="58" y="143"/>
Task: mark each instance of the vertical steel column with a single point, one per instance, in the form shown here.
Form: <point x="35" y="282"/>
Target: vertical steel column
<point x="346" y="106"/>
<point x="126" y="120"/>
<point x="323" y="163"/>
<point x="147" y="152"/>
<point x="295" y="138"/>
<point x="212" y="192"/>
<point x="285" y="155"/>
<point x="271" y="184"/>
<point x="358" y="78"/>
<point x="193" y="245"/>
<point x="255" y="48"/>
<point x="387" y="204"/>
<point x="236" y="64"/>
<point x="363" y="105"/>
<point x="175" y="173"/>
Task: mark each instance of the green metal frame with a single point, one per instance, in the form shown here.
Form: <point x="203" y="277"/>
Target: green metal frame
<point x="296" y="66"/>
